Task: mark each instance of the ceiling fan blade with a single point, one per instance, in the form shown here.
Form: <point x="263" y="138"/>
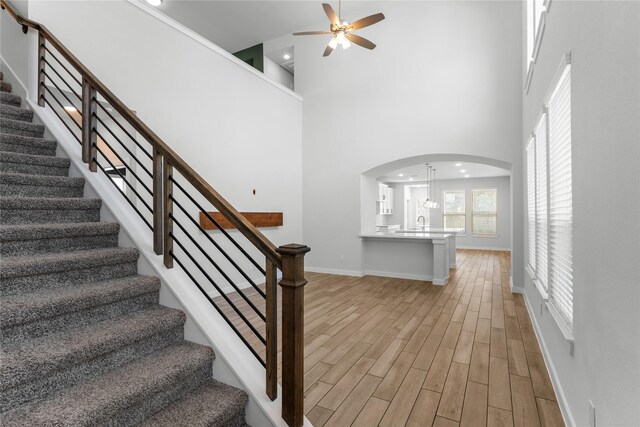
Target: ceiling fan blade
<point x="311" y="33"/>
<point x="328" y="51"/>
<point x="361" y="41"/>
<point x="365" y="22"/>
<point x="331" y="14"/>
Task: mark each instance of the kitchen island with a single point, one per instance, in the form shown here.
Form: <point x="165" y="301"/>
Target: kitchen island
<point x="408" y="255"/>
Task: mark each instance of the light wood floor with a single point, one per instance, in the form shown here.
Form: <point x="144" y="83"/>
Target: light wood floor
<point x="394" y="352"/>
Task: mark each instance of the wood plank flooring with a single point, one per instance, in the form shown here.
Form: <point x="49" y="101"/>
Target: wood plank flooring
<point x="395" y="352"/>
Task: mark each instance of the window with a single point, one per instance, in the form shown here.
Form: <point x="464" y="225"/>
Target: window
<point x="536" y="18"/>
<point x="549" y="199"/>
<point x="531" y="203"/>
<point x="560" y="199"/>
<point x="484" y="215"/>
<point x="541" y="203"/>
<point x="453" y="210"/>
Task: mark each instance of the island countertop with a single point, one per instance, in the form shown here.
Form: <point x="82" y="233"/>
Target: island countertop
<point x="405" y="236"/>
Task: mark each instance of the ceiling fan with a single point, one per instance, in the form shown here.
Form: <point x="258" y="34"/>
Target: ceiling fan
<point x="342" y="31"/>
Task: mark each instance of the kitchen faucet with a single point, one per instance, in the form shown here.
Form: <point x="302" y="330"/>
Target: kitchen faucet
<point x="423" y="221"/>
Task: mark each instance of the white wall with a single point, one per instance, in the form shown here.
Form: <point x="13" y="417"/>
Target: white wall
<point x="500" y="242"/>
<point x="13" y="44"/>
<point x="445" y="78"/>
<point x="604" y="40"/>
<point x="235" y="127"/>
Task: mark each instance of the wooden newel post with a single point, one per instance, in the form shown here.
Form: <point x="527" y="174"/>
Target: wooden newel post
<point x="292" y="284"/>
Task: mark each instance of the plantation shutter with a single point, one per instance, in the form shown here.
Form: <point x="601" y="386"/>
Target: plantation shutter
<point x="531" y="202"/>
<point x="560" y="198"/>
<point x="542" y="270"/>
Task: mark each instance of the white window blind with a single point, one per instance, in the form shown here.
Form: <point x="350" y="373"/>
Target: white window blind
<point x="454" y="209"/>
<point x="560" y="198"/>
<point x="542" y="270"/>
<point x="531" y="202"/>
<point x="484" y="218"/>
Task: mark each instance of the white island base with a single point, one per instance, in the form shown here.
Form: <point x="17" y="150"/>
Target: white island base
<point x="418" y="256"/>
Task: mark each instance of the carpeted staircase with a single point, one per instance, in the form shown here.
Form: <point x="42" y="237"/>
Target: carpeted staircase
<point x="84" y="339"/>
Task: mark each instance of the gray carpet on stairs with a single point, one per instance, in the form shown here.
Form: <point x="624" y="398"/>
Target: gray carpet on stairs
<point x="83" y="338"/>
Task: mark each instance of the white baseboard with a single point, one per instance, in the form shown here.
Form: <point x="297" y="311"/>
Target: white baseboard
<point x="515" y="289"/>
<point x="553" y="374"/>
<point x="484" y="248"/>
<point x="335" y="271"/>
<point x="399" y="275"/>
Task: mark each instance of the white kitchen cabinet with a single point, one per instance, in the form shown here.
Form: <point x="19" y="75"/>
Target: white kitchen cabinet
<point x="384" y="205"/>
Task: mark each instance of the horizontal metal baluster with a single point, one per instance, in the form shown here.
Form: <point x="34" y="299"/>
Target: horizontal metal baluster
<point x="220" y="291"/>
<point x="135" y="141"/>
<point x="222" y="230"/>
<point x="224" y="316"/>
<point x="217" y="267"/>
<point x="123" y="146"/>
<point x="63" y="66"/>
<point x="224" y="253"/>
<point x="63" y="80"/>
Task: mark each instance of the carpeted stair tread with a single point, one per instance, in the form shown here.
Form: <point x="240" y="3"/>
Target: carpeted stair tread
<point x="25" y="185"/>
<point x="41" y="210"/>
<point x="20" y="266"/>
<point x="55" y="203"/>
<point x="40" y="180"/>
<point x="43" y="356"/>
<point x="16" y="113"/>
<point x="30" y="307"/>
<point x="213" y="404"/>
<point x="33" y="160"/>
<point x="5" y="87"/>
<point x="100" y="400"/>
<point x="9" y="98"/>
<point x="31" y="239"/>
<point x="18" y="127"/>
<point x="27" y="144"/>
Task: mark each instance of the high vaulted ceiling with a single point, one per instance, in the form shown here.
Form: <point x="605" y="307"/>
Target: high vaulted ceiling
<point x="235" y="25"/>
<point x="445" y="170"/>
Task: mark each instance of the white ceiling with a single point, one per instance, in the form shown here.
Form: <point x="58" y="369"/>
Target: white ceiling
<point x="235" y="25"/>
<point x="444" y="170"/>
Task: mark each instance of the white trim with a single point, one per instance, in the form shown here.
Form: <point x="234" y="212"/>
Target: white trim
<point x="547" y="5"/>
<point x="527" y="83"/>
<point x="14" y="75"/>
<point x="562" y="325"/>
<point x="553" y="86"/>
<point x="427" y="278"/>
<point x="334" y="271"/>
<point x="539" y="34"/>
<point x="553" y="373"/>
<point x="208" y="44"/>
<point x="543" y="292"/>
<point x="484" y="248"/>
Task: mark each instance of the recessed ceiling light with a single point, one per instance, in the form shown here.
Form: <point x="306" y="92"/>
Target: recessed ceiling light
<point x="400" y="174"/>
<point x="287" y="56"/>
<point x="154" y="2"/>
<point x="70" y="109"/>
<point x="458" y="164"/>
<point x="410" y="179"/>
<point x="466" y="176"/>
<point x="462" y="171"/>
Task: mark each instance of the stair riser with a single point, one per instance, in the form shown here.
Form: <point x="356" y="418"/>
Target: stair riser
<point x="9" y="99"/>
<point x="101" y="311"/>
<point x="32" y="169"/>
<point x="75" y="373"/>
<point x="156" y="400"/>
<point x="65" y="244"/>
<point x="48" y="216"/>
<point x="23" y="129"/>
<point x="18" y="190"/>
<point x="5" y="87"/>
<point x="59" y="279"/>
<point x="27" y="149"/>
<point x="9" y="112"/>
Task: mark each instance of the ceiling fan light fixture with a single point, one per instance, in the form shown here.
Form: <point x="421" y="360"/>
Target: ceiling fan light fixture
<point x="333" y="43"/>
<point x="346" y="44"/>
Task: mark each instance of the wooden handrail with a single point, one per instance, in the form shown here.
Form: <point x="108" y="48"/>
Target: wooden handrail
<point x="258" y="239"/>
